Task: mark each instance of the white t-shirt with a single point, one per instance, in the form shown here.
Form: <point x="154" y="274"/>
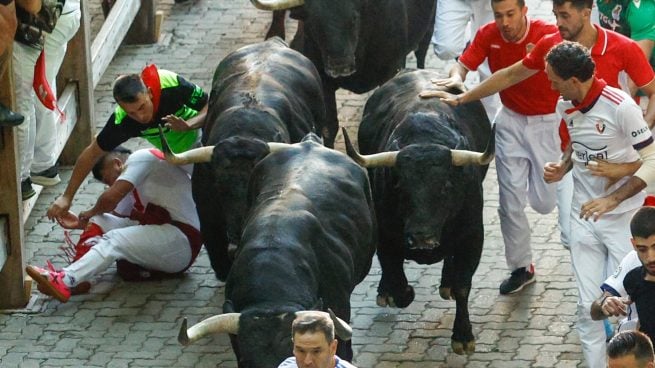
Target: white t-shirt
<point x="614" y="286"/>
<point x="158" y="182"/>
<point x="608" y="125"/>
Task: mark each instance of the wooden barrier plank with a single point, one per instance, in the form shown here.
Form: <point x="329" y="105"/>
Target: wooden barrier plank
<point x="111" y="35"/>
<point x="12" y="287"/>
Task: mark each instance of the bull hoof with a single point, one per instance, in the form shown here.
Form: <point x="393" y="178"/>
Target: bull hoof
<point x="445" y="293"/>
<point x="461" y="348"/>
<point x="381" y="300"/>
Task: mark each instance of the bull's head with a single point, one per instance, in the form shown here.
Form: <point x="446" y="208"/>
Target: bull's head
<point x="335" y="25"/>
<point x="427" y="186"/>
<point x="264" y="339"/>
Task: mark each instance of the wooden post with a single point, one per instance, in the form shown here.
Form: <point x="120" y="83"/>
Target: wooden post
<point x="144" y="28"/>
<point x="12" y="277"/>
<point x="76" y="71"/>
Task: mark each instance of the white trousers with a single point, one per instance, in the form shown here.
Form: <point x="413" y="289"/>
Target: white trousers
<point x="450" y="36"/>
<point x="564" y="198"/>
<point x="37" y="136"/>
<point x="597" y="249"/>
<point x="155" y="247"/>
<point x="523" y="145"/>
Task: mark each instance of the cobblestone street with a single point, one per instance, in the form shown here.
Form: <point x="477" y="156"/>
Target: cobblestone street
<point x="121" y="324"/>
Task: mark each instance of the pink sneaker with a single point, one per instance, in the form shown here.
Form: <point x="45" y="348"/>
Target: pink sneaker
<point x="50" y="282"/>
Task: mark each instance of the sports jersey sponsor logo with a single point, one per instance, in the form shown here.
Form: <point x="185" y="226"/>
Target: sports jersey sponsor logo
<point x="635" y="133"/>
<point x="494" y="46"/>
<point x="600" y="126"/>
<point x="585" y="153"/>
<point x="618" y="271"/>
<point x="529" y="47"/>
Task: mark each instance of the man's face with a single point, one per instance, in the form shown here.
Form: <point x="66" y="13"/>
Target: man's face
<point x="510" y="19"/>
<point x="312" y="350"/>
<point x="627" y="361"/>
<point x="140" y="110"/>
<point x="570" y="20"/>
<point x="565" y="87"/>
<point x="645" y="248"/>
<point x="111" y="170"/>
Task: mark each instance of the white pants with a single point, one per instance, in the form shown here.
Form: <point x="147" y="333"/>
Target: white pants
<point x="450" y="36"/>
<point x="597" y="249"/>
<point x="155" y="247"/>
<point x="523" y="145"/>
<point x="37" y="136"/>
<point x="564" y="198"/>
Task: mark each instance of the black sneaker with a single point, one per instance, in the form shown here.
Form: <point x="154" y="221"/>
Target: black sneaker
<point x="9" y="118"/>
<point x="46" y="178"/>
<point x="26" y="189"/>
<point x="519" y="278"/>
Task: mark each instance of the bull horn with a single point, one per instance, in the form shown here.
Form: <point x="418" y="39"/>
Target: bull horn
<point x="222" y="323"/>
<point x="278" y="147"/>
<point x="276" y="4"/>
<point x="383" y="159"/>
<point x="462" y="157"/>
<point x="194" y="156"/>
<point x="341" y="328"/>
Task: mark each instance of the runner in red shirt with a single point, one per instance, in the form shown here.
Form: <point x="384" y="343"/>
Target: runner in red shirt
<point x="526" y="129"/>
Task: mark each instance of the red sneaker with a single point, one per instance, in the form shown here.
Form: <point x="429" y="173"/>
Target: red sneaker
<point x="50" y="282"/>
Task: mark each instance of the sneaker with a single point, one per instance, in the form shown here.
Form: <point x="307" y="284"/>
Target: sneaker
<point x="9" y="118"/>
<point x="50" y="282"/>
<point x="26" y="189"/>
<point x="47" y="178"/>
<point x="519" y="278"/>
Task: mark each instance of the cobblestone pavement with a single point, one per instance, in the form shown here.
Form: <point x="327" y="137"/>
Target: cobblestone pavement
<point x="123" y="324"/>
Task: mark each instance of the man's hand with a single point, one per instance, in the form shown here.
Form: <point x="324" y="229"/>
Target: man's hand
<point x="554" y="172"/>
<point x="615" y="306"/>
<point x="70" y="221"/>
<point x="59" y="208"/>
<point x="597" y="207"/>
<point x="613" y="172"/>
<point x="453" y="82"/>
<point x="176" y="123"/>
<point x="445" y="97"/>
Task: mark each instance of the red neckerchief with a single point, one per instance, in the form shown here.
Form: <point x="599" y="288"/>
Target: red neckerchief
<point x="150" y="77"/>
<point x="590" y="98"/>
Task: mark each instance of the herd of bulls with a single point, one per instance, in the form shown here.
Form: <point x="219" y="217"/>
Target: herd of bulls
<point x="291" y="224"/>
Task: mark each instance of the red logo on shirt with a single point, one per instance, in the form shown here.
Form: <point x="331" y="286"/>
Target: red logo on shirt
<point x="600" y="127"/>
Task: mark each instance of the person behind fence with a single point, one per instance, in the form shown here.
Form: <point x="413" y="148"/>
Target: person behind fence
<point x="160" y="236"/>
<point x="35" y="71"/>
<point x="603" y="123"/>
<point x="8" y="25"/>
<point x="154" y="98"/>
<point x="630" y="349"/>
<point x="314" y="343"/>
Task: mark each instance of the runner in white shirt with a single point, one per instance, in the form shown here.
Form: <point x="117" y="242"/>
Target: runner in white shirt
<point x="603" y="123"/>
<point x="160" y="235"/>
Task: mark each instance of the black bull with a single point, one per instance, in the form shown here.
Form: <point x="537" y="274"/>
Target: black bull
<point x="427" y="188"/>
<point x="265" y="91"/>
<point x="308" y="241"/>
<point x="357" y="44"/>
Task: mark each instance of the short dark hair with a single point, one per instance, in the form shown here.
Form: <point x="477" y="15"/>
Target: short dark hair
<point x="521" y="3"/>
<point x="100" y="164"/>
<point x="633" y="343"/>
<point x="578" y="4"/>
<point x="313" y="321"/>
<point x="571" y="59"/>
<point x="128" y="87"/>
<point x="642" y="224"/>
